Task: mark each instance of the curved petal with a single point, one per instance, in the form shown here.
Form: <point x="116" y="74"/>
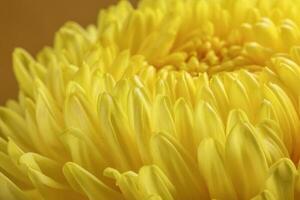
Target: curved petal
<point x="180" y="168"/>
<point x="245" y="161"/>
<point x="9" y="191"/>
<point x="85" y="183"/>
<point x="282" y="179"/>
<point x="212" y="168"/>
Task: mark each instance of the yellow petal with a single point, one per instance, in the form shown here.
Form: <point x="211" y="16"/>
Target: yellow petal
<point x="288" y="72"/>
<point x="128" y="183"/>
<point x="239" y="97"/>
<point x="271" y="143"/>
<point x="154" y="181"/>
<point x="83" y="151"/>
<point x="282" y="179"/>
<point x="208" y="123"/>
<point x="297" y="185"/>
<point x="266" y="32"/>
<point x="180" y="168"/>
<point x="49" y="126"/>
<point x="21" y="62"/>
<point x="9" y="191"/>
<point x="83" y="182"/>
<point x="77" y="113"/>
<point x="141" y="120"/>
<point x="251" y="83"/>
<point x="265" y="195"/>
<point x="116" y="132"/>
<point x="163" y="115"/>
<point x="49" y="188"/>
<point x="44" y="165"/>
<point x="266" y="111"/>
<point x="235" y="116"/>
<point x="220" y="93"/>
<point x="212" y="167"/>
<point x="120" y="64"/>
<point x="153" y="197"/>
<point x="183" y="117"/>
<point x="14" y="126"/>
<point x="287" y="117"/>
<point x="56" y="82"/>
<point x="11" y="168"/>
<point x="245" y="160"/>
<point x="185" y="87"/>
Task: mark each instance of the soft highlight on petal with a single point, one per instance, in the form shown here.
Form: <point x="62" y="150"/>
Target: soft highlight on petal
<point x="163" y="100"/>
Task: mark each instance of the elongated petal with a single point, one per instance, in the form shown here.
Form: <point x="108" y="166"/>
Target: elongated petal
<point x="272" y="145"/>
<point x="245" y="161"/>
<point x="21" y="62"/>
<point x="154" y="181"/>
<point x="282" y="179"/>
<point x="163" y="115"/>
<point x="14" y="126"/>
<point x="49" y="188"/>
<point x="83" y="182"/>
<point x="178" y="166"/>
<point x="208" y="123"/>
<point x="115" y="130"/>
<point x="212" y="168"/>
<point x="44" y="165"/>
<point x="83" y="151"/>
<point x="288" y="72"/>
<point x="9" y="191"/>
<point x="142" y="122"/>
<point x="184" y="123"/>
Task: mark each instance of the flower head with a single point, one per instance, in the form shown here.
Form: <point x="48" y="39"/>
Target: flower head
<point x="172" y="100"/>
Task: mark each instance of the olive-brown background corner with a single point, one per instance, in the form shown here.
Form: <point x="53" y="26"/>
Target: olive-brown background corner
<point x="31" y="24"/>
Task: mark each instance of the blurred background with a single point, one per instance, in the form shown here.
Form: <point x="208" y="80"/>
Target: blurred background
<point x="31" y="24"/>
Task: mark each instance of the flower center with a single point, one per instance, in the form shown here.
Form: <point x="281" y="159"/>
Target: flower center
<point x="213" y="55"/>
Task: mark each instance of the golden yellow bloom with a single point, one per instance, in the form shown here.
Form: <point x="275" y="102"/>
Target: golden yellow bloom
<point x="172" y="100"/>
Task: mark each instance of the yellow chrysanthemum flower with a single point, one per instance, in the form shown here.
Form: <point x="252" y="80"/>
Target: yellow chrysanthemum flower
<point x="172" y="100"/>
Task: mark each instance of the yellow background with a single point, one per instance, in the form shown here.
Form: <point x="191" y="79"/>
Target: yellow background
<point x="31" y="24"/>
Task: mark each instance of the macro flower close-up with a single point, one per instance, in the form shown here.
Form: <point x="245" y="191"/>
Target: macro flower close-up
<point x="163" y="100"/>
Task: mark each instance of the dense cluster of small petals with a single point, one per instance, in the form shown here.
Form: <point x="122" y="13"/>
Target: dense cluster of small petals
<point x="171" y="100"/>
